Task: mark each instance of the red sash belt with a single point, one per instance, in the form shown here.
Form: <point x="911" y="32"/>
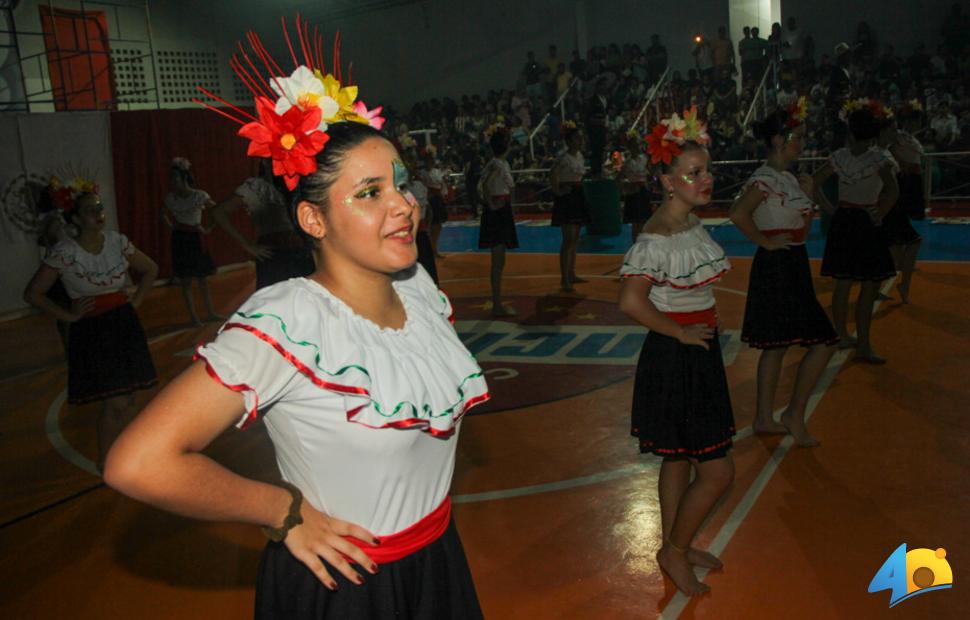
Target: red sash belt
<point x="797" y="234"/>
<point x="852" y="205"/>
<point x="707" y="317"/>
<point x="108" y="301"/>
<point x="395" y="546"/>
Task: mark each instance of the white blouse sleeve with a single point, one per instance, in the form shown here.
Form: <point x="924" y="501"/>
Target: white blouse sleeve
<point x="645" y="260"/>
<point x="61" y="256"/>
<point x="244" y="363"/>
<point x="250" y="195"/>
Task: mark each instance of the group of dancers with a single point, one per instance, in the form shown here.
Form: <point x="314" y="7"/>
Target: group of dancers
<point x="348" y="354"/>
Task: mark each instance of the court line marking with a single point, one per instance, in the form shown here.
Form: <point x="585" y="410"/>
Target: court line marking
<point x="679" y="601"/>
<point x="554" y="275"/>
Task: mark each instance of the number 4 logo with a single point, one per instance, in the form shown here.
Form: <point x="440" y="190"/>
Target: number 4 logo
<point x="909" y="574"/>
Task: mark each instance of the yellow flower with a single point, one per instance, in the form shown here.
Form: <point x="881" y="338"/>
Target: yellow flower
<point x="343" y="95"/>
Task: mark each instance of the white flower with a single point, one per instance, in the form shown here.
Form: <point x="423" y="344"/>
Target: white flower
<point x="304" y="90"/>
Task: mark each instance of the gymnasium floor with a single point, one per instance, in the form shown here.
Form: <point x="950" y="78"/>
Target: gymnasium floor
<point x="557" y="510"/>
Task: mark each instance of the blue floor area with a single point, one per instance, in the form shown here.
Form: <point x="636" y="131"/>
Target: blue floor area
<point x="940" y="241"/>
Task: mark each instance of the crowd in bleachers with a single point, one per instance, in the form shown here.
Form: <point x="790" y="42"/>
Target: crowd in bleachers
<point x="722" y="83"/>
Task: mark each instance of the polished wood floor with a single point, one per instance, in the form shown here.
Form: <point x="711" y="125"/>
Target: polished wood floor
<point x="557" y="510"/>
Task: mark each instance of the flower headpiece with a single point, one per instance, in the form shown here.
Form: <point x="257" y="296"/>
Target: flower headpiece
<point x="797" y="113"/>
<point x="911" y="108"/>
<point x="65" y="195"/>
<point x="670" y="134"/>
<point x="181" y="163"/>
<point x="495" y="128"/>
<point x="567" y="128"/>
<point x="879" y="111"/>
<point x="293" y="112"/>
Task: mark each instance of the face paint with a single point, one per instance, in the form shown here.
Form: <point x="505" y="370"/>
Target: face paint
<point x="686" y="178"/>
<point x="401" y="175"/>
<point x="354" y="209"/>
<point x="411" y="199"/>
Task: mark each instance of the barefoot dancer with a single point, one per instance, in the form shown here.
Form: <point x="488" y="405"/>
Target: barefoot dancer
<point x="775" y="212"/>
<point x="569" y="209"/>
<point x="681" y="406"/>
<point x="497" y="227"/>
<point x="856" y="249"/>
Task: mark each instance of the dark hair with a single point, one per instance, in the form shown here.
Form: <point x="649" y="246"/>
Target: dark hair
<point x="315" y="187"/>
<point x="185" y="174"/>
<point x="775" y="124"/>
<point x="499" y="142"/>
<point x="863" y="125"/>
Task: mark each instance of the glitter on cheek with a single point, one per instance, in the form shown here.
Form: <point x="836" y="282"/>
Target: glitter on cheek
<point x="354" y="209"/>
<point x="686" y="178"/>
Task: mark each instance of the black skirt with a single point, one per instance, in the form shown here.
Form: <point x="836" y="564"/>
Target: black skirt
<point x="107" y="355"/>
<point x="681" y="403"/>
<point x="285" y="263"/>
<point x="189" y="256"/>
<point x="439" y="212"/>
<point x="497" y="227"/>
<point x="570" y="208"/>
<point x="897" y="228"/>
<point x="856" y="249"/>
<point x="433" y="583"/>
<point x="781" y="308"/>
<point x="911" y="195"/>
<point x="426" y="254"/>
<point x="636" y="207"/>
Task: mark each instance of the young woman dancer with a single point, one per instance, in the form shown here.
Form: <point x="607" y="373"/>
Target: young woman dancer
<point x="361" y="377"/>
<point x="775" y="212"/>
<point x="497" y="228"/>
<point x="182" y="213"/>
<point x="107" y="353"/>
<point x="904" y="241"/>
<point x="569" y="209"/>
<point x="856" y="249"/>
<point x="681" y="406"/>
<point x="280" y="253"/>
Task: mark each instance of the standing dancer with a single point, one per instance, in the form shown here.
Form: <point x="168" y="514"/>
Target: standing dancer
<point x="569" y="209"/>
<point x="357" y="369"/>
<point x="856" y="249"/>
<point x="681" y="406"/>
<point x="775" y="212"/>
<point x="280" y="253"/>
<point x="434" y="179"/>
<point x="904" y="241"/>
<point x="182" y="213"/>
<point x="636" y="196"/>
<point x="107" y="353"/>
<point x="496" y="230"/>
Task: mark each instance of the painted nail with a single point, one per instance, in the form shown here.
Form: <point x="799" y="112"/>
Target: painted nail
<point x="373" y="569"/>
<point x="358" y="580"/>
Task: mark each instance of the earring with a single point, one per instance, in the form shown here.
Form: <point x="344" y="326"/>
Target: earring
<point x="670" y="194"/>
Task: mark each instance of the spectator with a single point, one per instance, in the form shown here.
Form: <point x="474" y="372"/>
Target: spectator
<point x="944" y="123"/>
<point x="722" y="51"/>
<point x="550" y="71"/>
<point x="759" y="52"/>
<point x="792" y="46"/>
<point x="532" y="75"/>
<point x="774" y="44"/>
<point x="596" y="109"/>
<point x="703" y="55"/>
<point x="656" y="59"/>
<point x="577" y="66"/>
<point x="563" y="79"/>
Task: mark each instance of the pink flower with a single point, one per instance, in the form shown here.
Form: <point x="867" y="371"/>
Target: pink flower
<point x="371" y="116"/>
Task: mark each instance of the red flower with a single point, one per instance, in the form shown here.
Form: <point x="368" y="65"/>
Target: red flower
<point x="291" y="140"/>
<point x="63" y="198"/>
<point x="660" y="149"/>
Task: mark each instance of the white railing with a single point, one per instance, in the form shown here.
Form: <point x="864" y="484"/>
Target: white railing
<point x="761" y="91"/>
<point x="651" y="95"/>
<point x="561" y="104"/>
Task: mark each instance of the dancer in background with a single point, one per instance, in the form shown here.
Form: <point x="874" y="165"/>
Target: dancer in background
<point x="422" y="240"/>
<point x="182" y="213"/>
<point x="681" y="405"/>
<point x="360" y="376"/>
<point x="775" y="212"/>
<point x="569" y="209"/>
<point x="280" y="253"/>
<point x="636" y="195"/>
<point x="856" y="249"/>
<point x="107" y="353"/>
<point x="904" y="241"/>
<point x="434" y="179"/>
<point x="496" y="230"/>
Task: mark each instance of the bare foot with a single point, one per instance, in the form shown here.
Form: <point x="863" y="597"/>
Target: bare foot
<point x="675" y="565"/>
<point x="803" y="439"/>
<point x="903" y="294"/>
<point x="577" y="280"/>
<point x="704" y="559"/>
<point x="847" y="342"/>
<point x="768" y="427"/>
<point x="869" y="356"/>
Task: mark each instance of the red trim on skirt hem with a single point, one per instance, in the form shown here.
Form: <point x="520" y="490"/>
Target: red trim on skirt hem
<point x="647" y="445"/>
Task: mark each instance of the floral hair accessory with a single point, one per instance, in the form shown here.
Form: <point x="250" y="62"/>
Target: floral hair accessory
<point x="911" y="108"/>
<point x="181" y="163"/>
<point x="670" y="134"/>
<point x="65" y="195"/>
<point x="878" y="110"/>
<point x="293" y="111"/>
<point x="567" y="128"/>
<point x="797" y="113"/>
<point x="495" y="128"/>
